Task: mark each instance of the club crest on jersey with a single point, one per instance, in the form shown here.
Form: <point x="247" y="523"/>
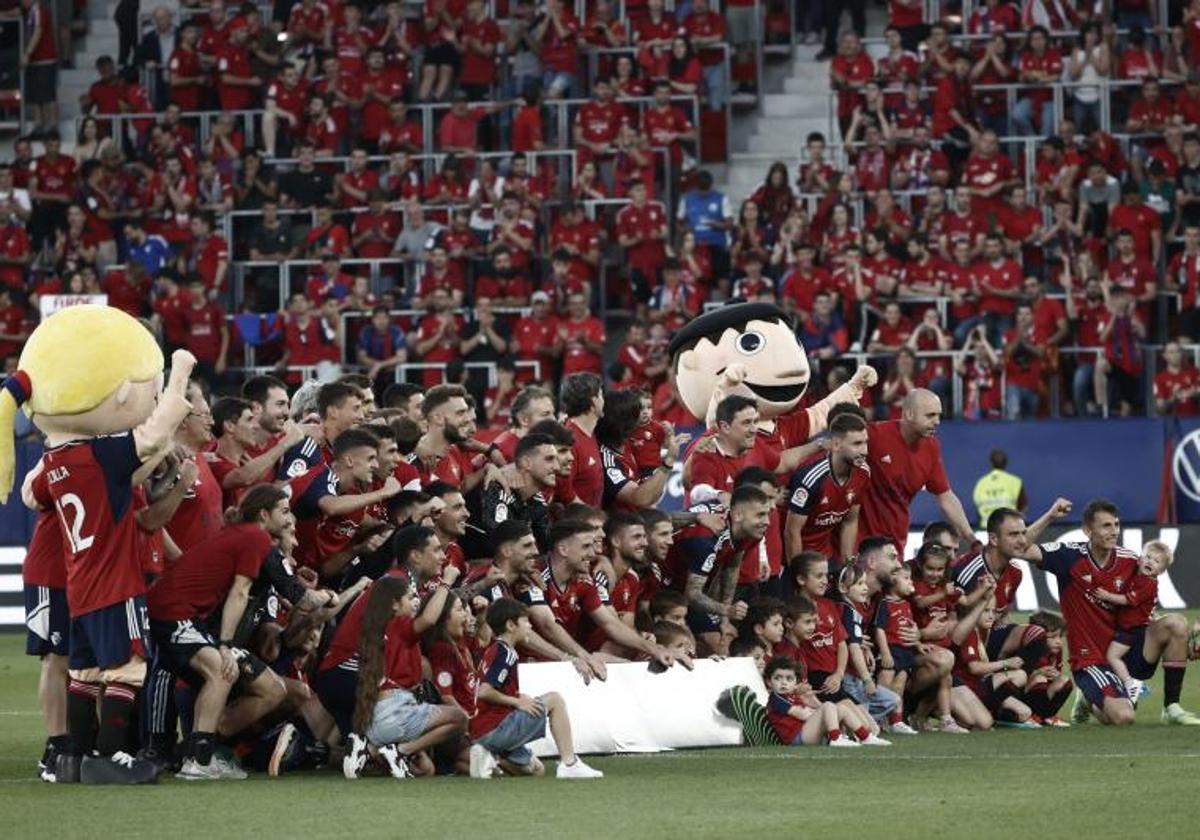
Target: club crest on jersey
<point x="800" y="497"/>
<point x="1119" y="582"/>
<point x="886" y="459"/>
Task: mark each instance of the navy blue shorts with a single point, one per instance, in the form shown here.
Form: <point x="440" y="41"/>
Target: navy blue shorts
<point x="337" y="690"/>
<point x="111" y="636"/>
<point x="701" y="622"/>
<point x="996" y="640"/>
<point x="47" y="621"/>
<point x="903" y="658"/>
<point x="1134" y="658"/>
<point x="1099" y="683"/>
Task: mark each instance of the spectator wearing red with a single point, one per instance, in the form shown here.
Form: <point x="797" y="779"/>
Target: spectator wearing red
<point x="458" y="131"/>
<point x="308" y="24"/>
<point x="1021" y="225"/>
<point x="1183" y="278"/>
<point x="15" y="251"/>
<point x="582" y="338"/>
<point x="440" y="275"/>
<point x="563" y="280"/>
<point x="344" y="94"/>
<point x="398" y="134"/>
<point x="1176" y="386"/>
<point x="994" y="16"/>
<point x="443" y="57"/>
<point x="962" y="288"/>
<point x="980" y="369"/>
<point x="954" y="123"/>
<point x="1137" y="60"/>
<point x="642" y="232"/>
<point x="321" y="130"/>
<point x="351" y="40"/>
<point x="128" y="288"/>
<point x="50" y="181"/>
<point x="684" y="71"/>
<point x="207" y="333"/>
<point x="353" y="187"/>
<point x="1120" y="369"/>
<point x="304" y="338"/>
<point x="438" y="337"/>
<point x="284" y="112"/>
<point x="580" y="237"/>
<point x="993" y="67"/>
<point x="1050" y="326"/>
<point x="15" y="325"/>
<point x="1131" y="271"/>
<point x="1087" y="311"/>
<point x="998" y="280"/>
<point x="1039" y="65"/>
<point x="373" y="232"/>
<point x="707" y="31"/>
<point x="507" y="286"/>
<point x="850" y="69"/>
<point x="988" y="174"/>
<point x="1143" y="223"/>
<point x="383" y="85"/>
<point x="535" y="338"/>
<point x="237" y="85"/>
<point x="905" y="377"/>
<point x="480" y="37"/>
<point x="652" y="34"/>
<point x="872" y="163"/>
<point x="106" y="94"/>
<point x="170" y="304"/>
<point x="674" y="302"/>
<point x="327" y="235"/>
<point x="598" y="123"/>
<point x="208" y="256"/>
<point x="558" y="33"/>
<point x="963" y="225"/>
<point x="892" y="331"/>
<point x="667" y="125"/>
<point x="800" y="285"/>
<point x="329" y="282"/>
<point x="1023" y="357"/>
<point x="528" y="131"/>
<point x="907" y="17"/>
<point x="1150" y="113"/>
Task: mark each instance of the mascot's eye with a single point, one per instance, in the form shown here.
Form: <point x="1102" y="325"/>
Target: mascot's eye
<point x="751" y="342"/>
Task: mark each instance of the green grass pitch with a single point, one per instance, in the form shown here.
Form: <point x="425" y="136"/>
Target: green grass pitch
<point x="1083" y="782"/>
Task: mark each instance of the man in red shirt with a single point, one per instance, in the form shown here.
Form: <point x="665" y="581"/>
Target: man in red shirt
<point x="374" y="232"/>
<point x="558" y="33"/>
<point x="15" y="254"/>
<point x="581" y="399"/>
<point x="40" y="59"/>
<point x="382" y="85"/>
<point x="598" y="122"/>
<point x="954" y="111"/>
<point x="707" y="30"/>
<point x="1176" y="386"/>
<point x="536" y="339"/>
<point x="237" y="86"/>
<point x="849" y="71"/>
<point x="285" y="108"/>
<point x="998" y="281"/>
<point x="51" y="188"/>
<point x="438" y="337"/>
<point x="904" y="457"/>
<point x="581" y="335"/>
<point x="1183" y="278"/>
<point x="207" y="334"/>
<point x="458" y="130"/>
<point x="668" y="126"/>
<point x="825" y="494"/>
<point x="642" y="232"/>
<point x="208" y="255"/>
<point x="988" y="175"/>
<point x="710" y="471"/>
<point x="1022" y="367"/>
<point x="1132" y="271"/>
<point x="580" y="237"/>
<point x="480" y="36"/>
<point x="1135" y="216"/>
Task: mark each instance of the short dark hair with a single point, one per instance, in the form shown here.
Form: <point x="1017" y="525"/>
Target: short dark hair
<point x="398" y="394"/>
<point x="619" y="520"/>
<point x="577" y="393"/>
<point x="531" y="442"/>
<point x="665" y="600"/>
<point x="732" y="406"/>
<point x="799" y="565"/>
<point x="565" y="529"/>
<point x="1097" y="506"/>
<point x="502" y="611"/>
<point x="780" y="663"/>
<point x="353" y="439"/>
<point x="653" y="516"/>
<point x="997" y="518"/>
<point x="934" y="530"/>
<point x="259" y="498"/>
<point x="872" y="544"/>
<point x="748" y="494"/>
<point x="437" y="489"/>
<point x="998" y="458"/>
<point x="754" y="477"/>
<point x="510" y="530"/>
<point x="668" y="632"/>
<point x="526" y="396"/>
<point x="439" y="395"/>
<point x="334" y="394"/>
<point x="226" y="410"/>
<point x="560" y="434"/>
<point x="408" y="539"/>
<point x="256" y="388"/>
<point x="800" y="604"/>
<point x="845" y="423"/>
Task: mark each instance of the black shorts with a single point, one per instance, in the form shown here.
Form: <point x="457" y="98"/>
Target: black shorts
<point x="176" y="642"/>
<point x="41" y="84"/>
<point x="337" y="689"/>
<point x="1135" y="658"/>
<point x="443" y="55"/>
<point x="816" y="679"/>
<point x="996" y="640"/>
<point x="47" y="621"/>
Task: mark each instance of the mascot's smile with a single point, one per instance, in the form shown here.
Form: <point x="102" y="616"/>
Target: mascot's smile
<point x="778" y="393"/>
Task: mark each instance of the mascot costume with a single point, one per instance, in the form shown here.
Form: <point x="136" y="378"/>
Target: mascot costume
<point x="91" y="378"/>
<point x="751" y="349"/>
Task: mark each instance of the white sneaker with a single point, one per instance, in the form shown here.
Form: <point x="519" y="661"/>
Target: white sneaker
<point x="1133" y="688"/>
<point x="396" y="762"/>
<point x="483" y="763"/>
<point x="845" y="741"/>
<point x="875" y="741"/>
<point x="1180" y="716"/>
<point x="356" y="756"/>
<point x="950" y="727"/>
<point x="229" y="769"/>
<point x="903" y="728"/>
<point x="578" y="770"/>
<point x="194" y="771"/>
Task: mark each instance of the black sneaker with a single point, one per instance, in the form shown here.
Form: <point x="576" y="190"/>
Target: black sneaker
<point x="66" y="769"/>
<point x="117" y="769"/>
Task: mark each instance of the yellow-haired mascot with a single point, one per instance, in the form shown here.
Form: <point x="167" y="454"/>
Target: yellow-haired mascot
<point x="91" y="378"/>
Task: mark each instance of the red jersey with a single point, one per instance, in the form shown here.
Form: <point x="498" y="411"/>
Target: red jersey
<point x="577" y="358"/>
<point x="984" y="173"/>
<point x="787" y="727"/>
<point x="1006" y="276"/>
<point x="893" y="616"/>
<point x="820" y="651"/>
<point x="1134" y="276"/>
<point x="940" y="610"/>
<point x="88" y="483"/>
<point x="816" y="494"/>
<point x="1142" y="595"/>
<point x="856" y="70"/>
<point x="898" y="471"/>
<point x="454" y="672"/>
<point x="1168" y="385"/>
<point x="201" y="514"/>
<point x="646" y="254"/>
<point x="971" y="572"/>
<point x="477" y="67"/>
<point x="401" y="655"/>
<point x="498" y="668"/>
<point x="587" y="475"/>
<point x="600" y="123"/>
<point x="55" y="176"/>
<point x="45" y="562"/>
<point x="573" y="605"/>
<point x="1139" y="220"/>
<point x="234" y="61"/>
<point x="204" y="325"/>
<point x="972" y="649"/>
<point x="1091" y="623"/>
<point x="196" y="584"/>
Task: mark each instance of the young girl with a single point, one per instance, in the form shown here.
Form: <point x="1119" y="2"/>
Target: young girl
<point x="934" y="596"/>
<point x="1049" y="685"/>
<point x="994" y="685"/>
<point x="388" y="719"/>
<point x="799" y="718"/>
<point x="451" y="660"/>
<point x="859" y="681"/>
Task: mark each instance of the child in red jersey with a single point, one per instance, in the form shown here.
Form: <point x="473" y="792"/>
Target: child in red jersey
<point x="934" y="597"/>
<point x="1135" y="605"/>
<point x="388" y="719"/>
<point x="997" y="684"/>
<point x="1049" y="685"/>
<point x="881" y="702"/>
<point x="897" y="657"/>
<point x="507" y="720"/>
<point x="452" y="662"/>
<point x="799" y="718"/>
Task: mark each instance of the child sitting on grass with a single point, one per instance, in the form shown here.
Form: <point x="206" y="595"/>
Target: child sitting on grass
<point x="799" y="718"/>
<point x="508" y="720"/>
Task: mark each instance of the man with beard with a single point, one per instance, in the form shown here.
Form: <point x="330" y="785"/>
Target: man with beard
<point x="904" y="457"/>
<point x="236" y="427"/>
<point x="825" y="494"/>
<point x="268" y="397"/>
<point x="531" y="406"/>
<point x="536" y="469"/>
<point x="513" y="574"/>
<point x="339" y="406"/>
<point x="448" y="420"/>
<point x="625" y="537"/>
<point x="450" y="522"/>
<point x="581" y="399"/>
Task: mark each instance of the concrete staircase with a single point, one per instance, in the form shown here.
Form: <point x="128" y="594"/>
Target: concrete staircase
<point x="101" y="39"/>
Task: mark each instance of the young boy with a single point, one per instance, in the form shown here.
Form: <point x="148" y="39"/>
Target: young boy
<point x="799" y="718"/>
<point x="751" y="648"/>
<point x="507" y="720"/>
<point x="1136" y="603"/>
<point x="897" y="658"/>
<point x="1049" y="685"/>
<point x="670" y="606"/>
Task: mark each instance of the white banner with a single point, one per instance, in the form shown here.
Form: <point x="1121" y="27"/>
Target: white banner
<point x="49" y="304"/>
<point x="636" y="711"/>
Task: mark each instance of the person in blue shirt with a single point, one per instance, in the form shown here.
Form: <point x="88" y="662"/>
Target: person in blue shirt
<point x="709" y="215"/>
<point x="151" y="251"/>
<point x="381" y="344"/>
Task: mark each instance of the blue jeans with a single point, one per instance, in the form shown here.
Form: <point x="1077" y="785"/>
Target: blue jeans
<point x="398" y="719"/>
<point x="1086" y="114"/>
<point x="1081" y="388"/>
<point x="879" y="705"/>
<point x="1022" y="118"/>
<point x="1019" y="402"/>
<point x="508" y="740"/>
<point x="714" y="82"/>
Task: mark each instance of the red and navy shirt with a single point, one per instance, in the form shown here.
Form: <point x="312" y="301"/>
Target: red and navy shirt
<point x="698" y="551"/>
<point x="974" y="571"/>
<point x="499" y="670"/>
<point x="892" y="616"/>
<point x="574" y="603"/>
<point x="1142" y="595"/>
<point x="1091" y="623"/>
<point x="816" y="494"/>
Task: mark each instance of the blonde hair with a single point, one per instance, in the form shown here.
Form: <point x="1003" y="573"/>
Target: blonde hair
<point x="71" y="364"/>
<point x="1160" y="549"/>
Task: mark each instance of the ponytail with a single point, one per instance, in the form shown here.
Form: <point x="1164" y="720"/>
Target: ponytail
<point x="17" y="389"/>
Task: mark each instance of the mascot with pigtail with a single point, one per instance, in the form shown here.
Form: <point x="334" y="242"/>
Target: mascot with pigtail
<point x="91" y="379"/>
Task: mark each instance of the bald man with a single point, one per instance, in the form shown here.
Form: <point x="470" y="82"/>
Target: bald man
<point x="905" y="457"/>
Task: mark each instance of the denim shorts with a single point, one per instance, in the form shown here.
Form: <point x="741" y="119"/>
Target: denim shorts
<point x="398" y="719"/>
<point x="509" y="739"/>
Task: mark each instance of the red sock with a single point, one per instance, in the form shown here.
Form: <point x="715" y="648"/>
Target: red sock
<point x="862" y="733"/>
<point x="834" y="734"/>
<point x="895" y="717"/>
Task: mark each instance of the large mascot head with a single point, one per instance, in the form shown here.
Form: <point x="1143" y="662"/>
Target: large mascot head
<point x="85" y="371"/>
<point x="747" y="348"/>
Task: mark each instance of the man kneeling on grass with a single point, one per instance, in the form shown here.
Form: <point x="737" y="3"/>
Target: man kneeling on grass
<point x="507" y="720"/>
